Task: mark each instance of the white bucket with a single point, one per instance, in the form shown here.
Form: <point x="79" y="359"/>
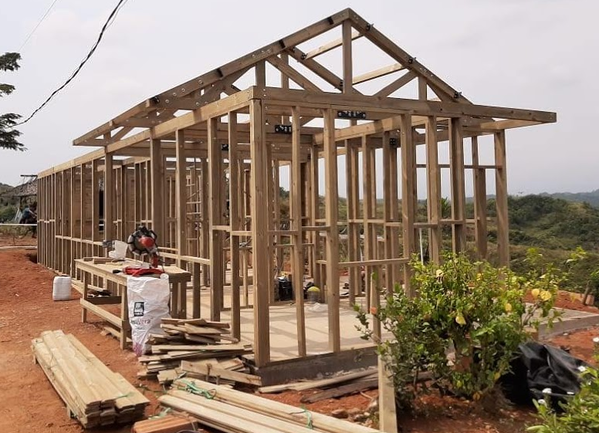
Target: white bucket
<point x="61" y="288"/>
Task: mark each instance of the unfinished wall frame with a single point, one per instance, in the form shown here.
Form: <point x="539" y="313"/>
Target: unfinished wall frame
<point x="207" y="180"/>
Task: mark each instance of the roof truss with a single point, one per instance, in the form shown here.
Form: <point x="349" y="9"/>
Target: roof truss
<point x="221" y="82"/>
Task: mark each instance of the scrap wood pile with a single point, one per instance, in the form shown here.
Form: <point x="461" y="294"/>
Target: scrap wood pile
<point x="332" y="387"/>
<point x="93" y="393"/>
<point x="231" y="411"/>
<point x="196" y="348"/>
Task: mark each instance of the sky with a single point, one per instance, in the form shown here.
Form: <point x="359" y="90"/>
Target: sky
<point x="537" y="54"/>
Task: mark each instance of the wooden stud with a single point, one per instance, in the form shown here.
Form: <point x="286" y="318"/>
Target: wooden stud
<point x="332" y="235"/>
<point x="261" y="264"/>
<point x="503" y="240"/>
<point x="407" y="199"/>
<point x="480" y="202"/>
<point x="433" y="200"/>
<point x="458" y="187"/>
<point x="297" y="261"/>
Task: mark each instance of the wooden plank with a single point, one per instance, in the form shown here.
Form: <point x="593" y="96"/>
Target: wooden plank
<point x="378" y="73"/>
<point x="331" y="45"/>
<point x="221" y="420"/>
<point x="322" y="383"/>
<point x="283" y="411"/>
<point x="341" y="391"/>
<point x="214" y="370"/>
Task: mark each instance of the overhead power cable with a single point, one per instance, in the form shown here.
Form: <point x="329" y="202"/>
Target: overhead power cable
<point x="108" y="22"/>
<point x="36" y="26"/>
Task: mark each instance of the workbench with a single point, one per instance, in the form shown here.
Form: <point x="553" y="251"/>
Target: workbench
<point x="105" y="269"/>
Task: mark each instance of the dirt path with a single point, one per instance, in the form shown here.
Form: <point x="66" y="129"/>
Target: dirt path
<point x="26" y="309"/>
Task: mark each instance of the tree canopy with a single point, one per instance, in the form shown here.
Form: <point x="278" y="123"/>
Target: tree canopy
<point x="8" y="135"/>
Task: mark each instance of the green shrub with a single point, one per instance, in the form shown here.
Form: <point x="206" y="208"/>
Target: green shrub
<point x="580" y="414"/>
<point x="472" y="309"/>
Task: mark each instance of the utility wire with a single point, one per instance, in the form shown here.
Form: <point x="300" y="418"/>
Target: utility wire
<point x="36" y="26"/>
<point x="83" y="62"/>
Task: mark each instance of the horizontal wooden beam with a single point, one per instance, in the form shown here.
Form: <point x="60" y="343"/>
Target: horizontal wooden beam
<point x="330" y="46"/>
<point x="418" y="107"/>
<point x="378" y="73"/>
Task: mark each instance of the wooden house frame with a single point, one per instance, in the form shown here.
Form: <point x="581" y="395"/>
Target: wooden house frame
<point x="201" y="165"/>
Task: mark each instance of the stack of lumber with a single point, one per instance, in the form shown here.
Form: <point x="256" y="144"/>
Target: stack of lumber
<point x="166" y="424"/>
<point x="196" y="347"/>
<point x="233" y="411"/>
<point x="93" y="393"/>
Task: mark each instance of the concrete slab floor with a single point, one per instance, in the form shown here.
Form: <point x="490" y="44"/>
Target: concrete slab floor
<point x="283" y="327"/>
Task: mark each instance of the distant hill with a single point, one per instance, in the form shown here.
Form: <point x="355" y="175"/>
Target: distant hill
<point x="591" y="198"/>
<point x="554" y="223"/>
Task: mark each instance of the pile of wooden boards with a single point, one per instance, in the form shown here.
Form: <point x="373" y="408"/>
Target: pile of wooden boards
<point x="93" y="393"/>
<point x="166" y="424"/>
<point x="233" y="411"/>
<point x="197" y="348"/>
<point x="331" y="387"/>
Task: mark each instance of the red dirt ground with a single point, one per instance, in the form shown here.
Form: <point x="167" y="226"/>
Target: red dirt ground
<point x="31" y="405"/>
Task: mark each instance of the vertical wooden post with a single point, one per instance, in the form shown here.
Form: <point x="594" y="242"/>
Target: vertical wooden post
<point x="261" y="74"/>
<point x="353" y="205"/>
<point x="261" y="262"/>
<point x="215" y="209"/>
<point x="157" y="176"/>
<point x="181" y="193"/>
<point x="236" y="224"/>
<point x="108" y="197"/>
<point x="407" y="191"/>
<point x="314" y="215"/>
<point x="458" y="188"/>
<point x="332" y="234"/>
<point x="177" y="307"/>
<point x="368" y="214"/>
<point x="503" y="238"/>
<point x="205" y="225"/>
<point x="390" y="202"/>
<point x="480" y="202"/>
<point x="347" y="57"/>
<point x="295" y="202"/>
<point x="433" y="200"/>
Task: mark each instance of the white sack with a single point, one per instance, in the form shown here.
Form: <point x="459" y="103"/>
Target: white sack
<point x="148" y="299"/>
